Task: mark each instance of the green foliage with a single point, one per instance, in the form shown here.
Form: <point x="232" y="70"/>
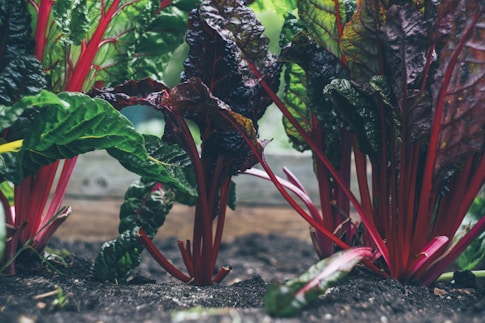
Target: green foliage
<point x="146" y="205"/>
<point x="20" y="72"/>
<point x="70" y="124"/>
<point x="7" y="189"/>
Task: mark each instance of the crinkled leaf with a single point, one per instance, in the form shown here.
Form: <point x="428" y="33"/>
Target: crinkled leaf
<point x="221" y="35"/>
<point x="15" y="32"/>
<point x="193" y="100"/>
<point x="359" y="112"/>
<point x="72" y="17"/>
<point x="406" y="43"/>
<point x="295" y="99"/>
<point x="117" y="258"/>
<point x="20" y="72"/>
<point x="177" y="163"/>
<point x="361" y="44"/>
<point x="146" y="205"/>
<point x="320" y="67"/>
<point x="291" y="297"/>
<point x="324" y="20"/>
<point x="459" y="98"/>
<point x="21" y="76"/>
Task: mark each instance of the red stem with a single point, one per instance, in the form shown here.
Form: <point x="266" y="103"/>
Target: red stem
<point x="43" y="16"/>
<point x="162" y="261"/>
<point x="425" y="203"/>
<point x="86" y="58"/>
<point x="358" y="207"/>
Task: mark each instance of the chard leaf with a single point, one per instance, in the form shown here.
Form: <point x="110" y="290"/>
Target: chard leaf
<point x="222" y="35"/>
<point x="178" y="165"/>
<point x="70" y="124"/>
<point x="156" y="38"/>
<point x="279" y="7"/>
<point x="117" y="258"/>
<point x="325" y="20"/>
<point x="406" y="43"/>
<point x="361" y="44"/>
<point x="146" y="205"/>
<point x="295" y="99"/>
<point x="193" y="100"/>
<point x="15" y="31"/>
<point x="320" y="67"/>
<point x="20" y="72"/>
<point x="458" y="95"/>
<point x="291" y="297"/>
<point x="359" y="112"/>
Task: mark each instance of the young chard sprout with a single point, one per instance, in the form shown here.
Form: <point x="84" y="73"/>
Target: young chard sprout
<point x="216" y="81"/>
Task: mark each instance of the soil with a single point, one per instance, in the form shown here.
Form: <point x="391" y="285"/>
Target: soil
<point x="257" y="259"/>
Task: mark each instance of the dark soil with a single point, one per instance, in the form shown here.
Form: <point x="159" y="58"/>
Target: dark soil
<point x="153" y="296"/>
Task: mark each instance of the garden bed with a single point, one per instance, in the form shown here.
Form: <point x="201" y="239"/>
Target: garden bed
<point x="271" y="254"/>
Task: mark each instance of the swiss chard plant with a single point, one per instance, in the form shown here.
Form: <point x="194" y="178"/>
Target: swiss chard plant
<point x="395" y="91"/>
<point x="218" y="90"/>
<point x="68" y="46"/>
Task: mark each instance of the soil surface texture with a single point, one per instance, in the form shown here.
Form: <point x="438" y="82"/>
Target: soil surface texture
<point x="257" y="259"/>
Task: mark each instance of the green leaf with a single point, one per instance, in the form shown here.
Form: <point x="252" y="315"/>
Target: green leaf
<point x="21" y="76"/>
<point x="109" y="41"/>
<point x="156" y="38"/>
<point x="118" y="257"/>
<point x="295" y="99"/>
<point x="279" y="7"/>
<point x="324" y="20"/>
<point x="291" y="297"/>
<point x="15" y="31"/>
<point x="146" y="205"/>
<point x="72" y="17"/>
<point x="178" y="165"/>
<point x="7" y="189"/>
<point x="72" y="124"/>
<point x="359" y="112"/>
<point x="304" y="92"/>
<point x="475" y="251"/>
<point x="20" y="72"/>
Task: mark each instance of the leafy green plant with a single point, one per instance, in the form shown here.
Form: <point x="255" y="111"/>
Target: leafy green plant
<point x="76" y="44"/>
<point x="394" y="90"/>
<point x="217" y="86"/>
